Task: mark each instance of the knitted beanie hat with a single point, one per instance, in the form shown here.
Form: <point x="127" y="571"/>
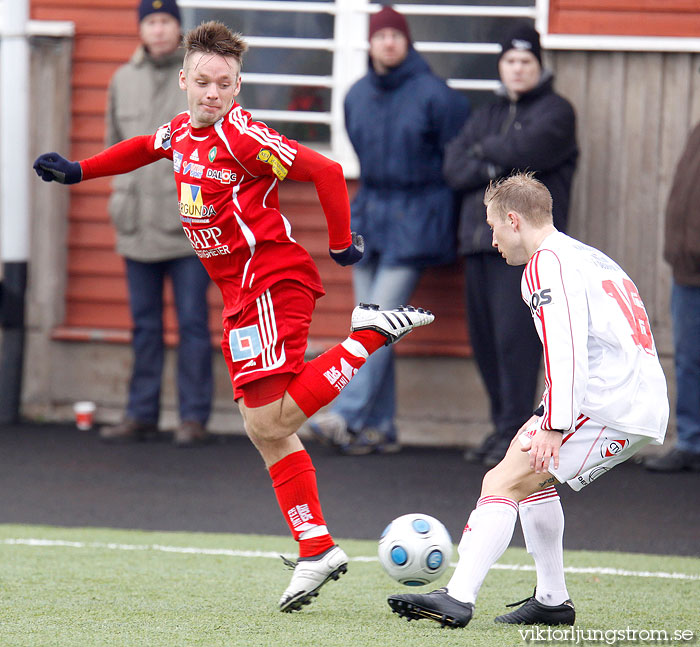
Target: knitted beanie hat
<point x="147" y="7"/>
<point x="389" y="17"/>
<point x="522" y="37"/>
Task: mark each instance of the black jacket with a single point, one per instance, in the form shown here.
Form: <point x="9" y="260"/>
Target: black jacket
<point x="535" y="133"/>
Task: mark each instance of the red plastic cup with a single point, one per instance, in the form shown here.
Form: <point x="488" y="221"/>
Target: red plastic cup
<point x="84" y="414"/>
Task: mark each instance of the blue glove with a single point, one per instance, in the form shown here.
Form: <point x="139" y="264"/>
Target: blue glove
<point x="51" y="167"/>
<point x="352" y="254"/>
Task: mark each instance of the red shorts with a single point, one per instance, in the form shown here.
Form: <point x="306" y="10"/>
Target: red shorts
<point x="264" y="344"/>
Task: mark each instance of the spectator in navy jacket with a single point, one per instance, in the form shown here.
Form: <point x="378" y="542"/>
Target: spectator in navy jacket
<point x="399" y="117"/>
<point x="529" y="127"/>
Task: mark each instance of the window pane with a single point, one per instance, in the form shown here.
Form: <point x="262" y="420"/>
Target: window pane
<point x="274" y="60"/>
<point x="284" y="24"/>
<point x="304" y="133"/>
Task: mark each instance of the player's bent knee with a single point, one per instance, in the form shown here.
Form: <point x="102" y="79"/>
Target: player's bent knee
<point x="266" y="424"/>
<point x="261" y="434"/>
<point x="500" y="481"/>
<point x="492" y="480"/>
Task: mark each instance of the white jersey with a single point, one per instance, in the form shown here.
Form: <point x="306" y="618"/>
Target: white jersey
<point x="599" y="354"/>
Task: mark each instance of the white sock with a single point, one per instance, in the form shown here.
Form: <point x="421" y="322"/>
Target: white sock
<point x="486" y="536"/>
<point x="355" y="348"/>
<point x="542" y="519"/>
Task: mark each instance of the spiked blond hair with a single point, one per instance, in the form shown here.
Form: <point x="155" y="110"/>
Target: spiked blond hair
<point x="523" y="193"/>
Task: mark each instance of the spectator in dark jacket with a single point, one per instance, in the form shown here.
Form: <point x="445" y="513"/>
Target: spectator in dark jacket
<point x="528" y="128"/>
<point x="682" y="252"/>
<point x="399" y="117"/>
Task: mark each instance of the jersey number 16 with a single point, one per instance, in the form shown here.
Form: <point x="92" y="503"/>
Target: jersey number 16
<point x="632" y="307"/>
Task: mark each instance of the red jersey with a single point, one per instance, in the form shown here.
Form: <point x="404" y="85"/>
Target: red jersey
<point x="227" y="178"/>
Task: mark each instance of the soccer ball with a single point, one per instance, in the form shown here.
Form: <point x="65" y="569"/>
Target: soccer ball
<point x="415" y="549"/>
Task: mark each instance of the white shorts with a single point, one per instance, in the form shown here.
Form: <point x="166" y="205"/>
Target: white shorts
<point x="589" y="451"/>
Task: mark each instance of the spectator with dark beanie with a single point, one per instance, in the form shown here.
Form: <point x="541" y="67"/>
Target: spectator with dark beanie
<point x="529" y="127"/>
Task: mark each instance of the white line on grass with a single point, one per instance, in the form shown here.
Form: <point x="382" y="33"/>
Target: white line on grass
<point x="227" y="552"/>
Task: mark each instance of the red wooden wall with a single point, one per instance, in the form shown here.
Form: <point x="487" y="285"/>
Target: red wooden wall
<point x="96" y="303"/>
<point x="625" y="17"/>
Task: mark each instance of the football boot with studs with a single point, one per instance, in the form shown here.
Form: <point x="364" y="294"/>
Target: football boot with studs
<point x="310" y="574"/>
<point x="437" y="605"/>
<point x="534" y="612"/>
<point x="393" y="323"/>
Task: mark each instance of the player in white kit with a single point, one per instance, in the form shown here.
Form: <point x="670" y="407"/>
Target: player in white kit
<point x="604" y="399"/>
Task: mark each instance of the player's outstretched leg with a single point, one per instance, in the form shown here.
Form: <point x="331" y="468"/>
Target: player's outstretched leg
<point x="373" y="328"/>
<point x="534" y="612"/>
<point x="393" y="323"/>
<point x="310" y="574"/>
<point x="438" y="606"/>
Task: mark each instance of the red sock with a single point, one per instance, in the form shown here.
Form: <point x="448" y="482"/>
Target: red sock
<point x="294" y="480"/>
<point x="370" y="339"/>
<point x="326" y="376"/>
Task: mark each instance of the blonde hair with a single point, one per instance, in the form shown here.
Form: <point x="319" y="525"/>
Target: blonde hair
<point x="522" y="193"/>
<point x="213" y="37"/>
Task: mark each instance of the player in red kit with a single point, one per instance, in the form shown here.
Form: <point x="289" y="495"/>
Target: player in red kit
<point x="227" y="168"/>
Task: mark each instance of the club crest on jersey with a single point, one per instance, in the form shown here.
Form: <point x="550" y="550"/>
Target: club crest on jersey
<point x="611" y="448"/>
<point x="539" y="299"/>
<point x="277" y="167"/>
<point x="192" y="207"/>
<point x="212" y="154"/>
<point x="162" y="138"/>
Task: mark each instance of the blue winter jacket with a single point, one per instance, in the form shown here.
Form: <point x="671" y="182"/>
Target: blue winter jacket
<point x="399" y="124"/>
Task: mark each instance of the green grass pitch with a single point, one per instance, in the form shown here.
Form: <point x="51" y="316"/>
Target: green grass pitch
<point x="74" y="587"/>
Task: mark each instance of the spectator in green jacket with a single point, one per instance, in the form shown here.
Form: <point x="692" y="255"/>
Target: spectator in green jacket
<point x="143" y="94"/>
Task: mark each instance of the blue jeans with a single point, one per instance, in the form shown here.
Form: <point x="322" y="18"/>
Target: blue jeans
<point x="685" y="312"/>
<point x="369" y="400"/>
<point x="195" y="382"/>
